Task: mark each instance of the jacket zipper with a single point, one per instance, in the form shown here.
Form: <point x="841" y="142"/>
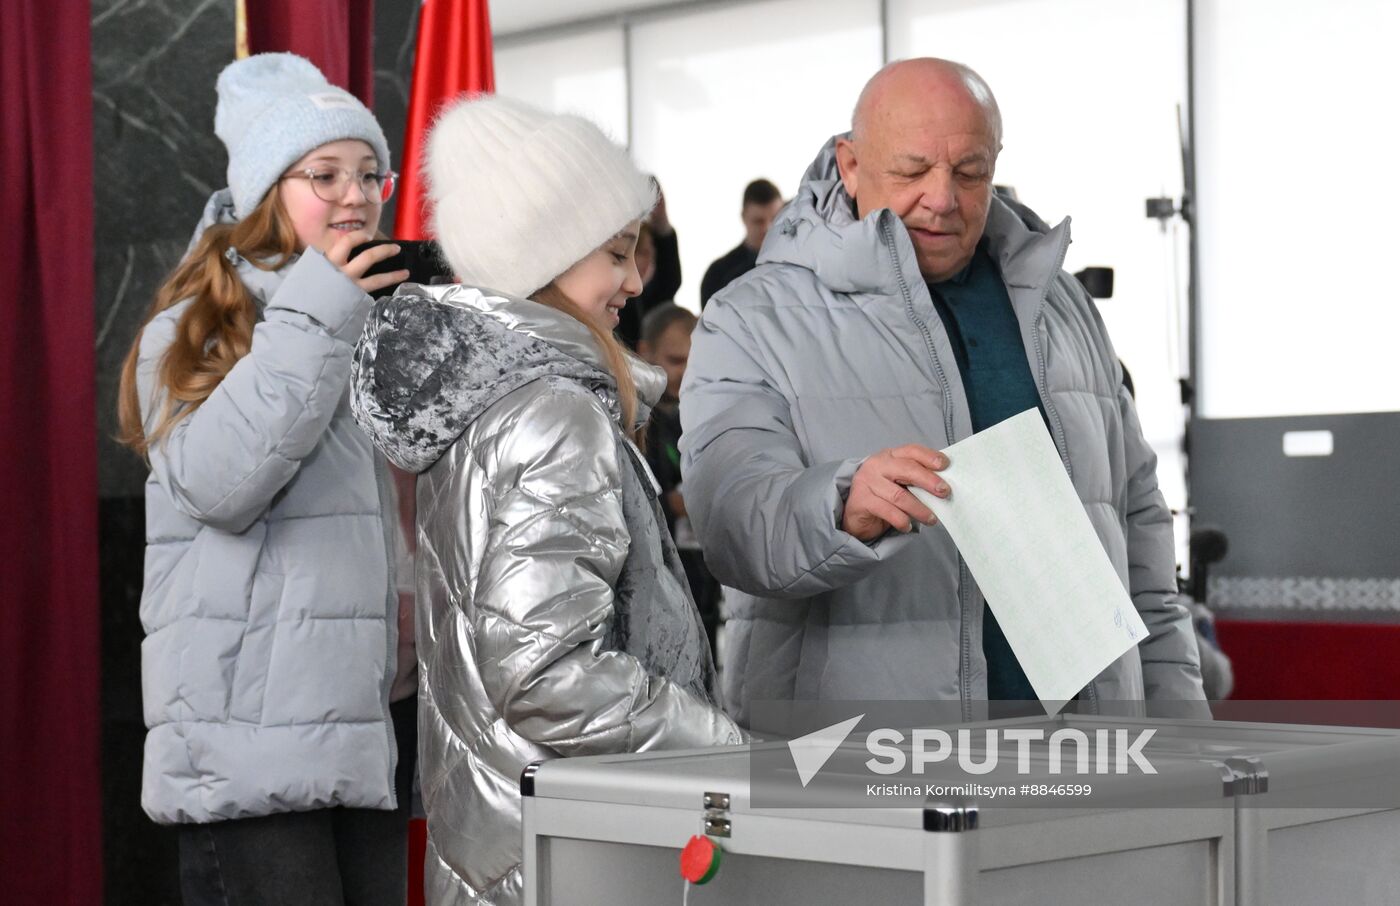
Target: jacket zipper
<point x="964" y="641"/>
<point x="1043" y="388"/>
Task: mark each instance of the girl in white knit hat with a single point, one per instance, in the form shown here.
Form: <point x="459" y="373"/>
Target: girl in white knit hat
<point x="554" y="617"/>
<point x="269" y="602"/>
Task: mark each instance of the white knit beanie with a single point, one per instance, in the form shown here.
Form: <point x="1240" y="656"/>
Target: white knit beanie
<point x="275" y="107"/>
<point x="520" y="195"/>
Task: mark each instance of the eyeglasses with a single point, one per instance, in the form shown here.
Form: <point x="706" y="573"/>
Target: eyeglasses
<point x="332" y="184"/>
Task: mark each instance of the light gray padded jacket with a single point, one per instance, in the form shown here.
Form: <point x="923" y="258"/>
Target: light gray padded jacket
<point x="553" y="614"/>
<point x="268" y="605"/>
<point x="831" y="350"/>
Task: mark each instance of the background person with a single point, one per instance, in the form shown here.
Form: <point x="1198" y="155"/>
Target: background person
<point x="762" y="202"/>
<point x="659" y="262"/>
<point x="665" y="343"/>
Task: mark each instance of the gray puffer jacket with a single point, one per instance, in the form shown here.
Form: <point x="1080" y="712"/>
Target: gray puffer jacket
<point x="553" y="615"/>
<point x="831" y="350"/>
<point x="269" y="604"/>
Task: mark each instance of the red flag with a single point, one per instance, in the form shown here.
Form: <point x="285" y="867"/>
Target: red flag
<point x="453" y="56"/>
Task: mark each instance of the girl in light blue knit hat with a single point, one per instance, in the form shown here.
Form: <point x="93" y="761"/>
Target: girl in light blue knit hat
<point x="269" y="604"/>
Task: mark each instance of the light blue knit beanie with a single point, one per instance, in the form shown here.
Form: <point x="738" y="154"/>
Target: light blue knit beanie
<point x="275" y="107"/>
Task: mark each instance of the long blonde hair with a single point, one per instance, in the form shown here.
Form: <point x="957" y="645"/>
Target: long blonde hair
<point x="613" y="353"/>
<point x="217" y="328"/>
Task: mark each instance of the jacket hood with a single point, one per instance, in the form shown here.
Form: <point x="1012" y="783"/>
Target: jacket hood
<point x="261" y="283"/>
<point x="819" y="230"/>
<point x="434" y="358"/>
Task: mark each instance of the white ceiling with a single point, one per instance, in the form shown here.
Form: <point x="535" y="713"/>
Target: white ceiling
<point x="517" y="15"/>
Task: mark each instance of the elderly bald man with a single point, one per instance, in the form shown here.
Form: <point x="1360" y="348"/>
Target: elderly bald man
<point x="899" y="306"/>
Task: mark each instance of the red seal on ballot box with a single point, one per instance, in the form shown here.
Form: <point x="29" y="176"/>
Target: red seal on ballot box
<point x="700" y="860"/>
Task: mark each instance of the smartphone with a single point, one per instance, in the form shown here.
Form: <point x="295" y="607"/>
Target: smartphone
<point x="421" y="258"/>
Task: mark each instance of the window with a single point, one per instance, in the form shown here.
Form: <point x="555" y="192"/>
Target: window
<point x="723" y="97"/>
<point x="1298" y="137"/>
<point x="581" y="73"/>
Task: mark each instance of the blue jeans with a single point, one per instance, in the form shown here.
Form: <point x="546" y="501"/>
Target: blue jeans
<point x="325" y="857"/>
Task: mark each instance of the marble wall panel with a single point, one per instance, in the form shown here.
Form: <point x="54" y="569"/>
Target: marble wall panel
<point x="395" y="34"/>
<point x="156" y="160"/>
<point x="128" y="275"/>
<point x="154" y="65"/>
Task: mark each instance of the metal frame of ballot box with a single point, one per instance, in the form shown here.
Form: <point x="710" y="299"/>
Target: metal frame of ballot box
<point x="609" y="829"/>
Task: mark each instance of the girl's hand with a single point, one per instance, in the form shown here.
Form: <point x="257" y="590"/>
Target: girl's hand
<point x="355" y="268"/>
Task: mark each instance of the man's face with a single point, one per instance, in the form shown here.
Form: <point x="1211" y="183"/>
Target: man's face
<point x="757" y="219"/>
<point x="930" y="160"/>
<point x="671" y="352"/>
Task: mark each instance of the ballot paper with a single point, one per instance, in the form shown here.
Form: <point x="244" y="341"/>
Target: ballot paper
<point x="1017" y="521"/>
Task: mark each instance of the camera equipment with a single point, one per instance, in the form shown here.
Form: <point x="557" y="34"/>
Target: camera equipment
<point x="422" y="259"/>
<point x="1097" y="281"/>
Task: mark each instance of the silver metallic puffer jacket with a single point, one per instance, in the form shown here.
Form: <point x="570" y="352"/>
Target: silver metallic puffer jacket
<point x="831" y="350"/>
<point x="553" y="615"/>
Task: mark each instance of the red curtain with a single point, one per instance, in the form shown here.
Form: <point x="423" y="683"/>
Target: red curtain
<point x="1311" y="661"/>
<point x="453" y="55"/>
<point x="50" y="794"/>
<point x="336" y="35"/>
